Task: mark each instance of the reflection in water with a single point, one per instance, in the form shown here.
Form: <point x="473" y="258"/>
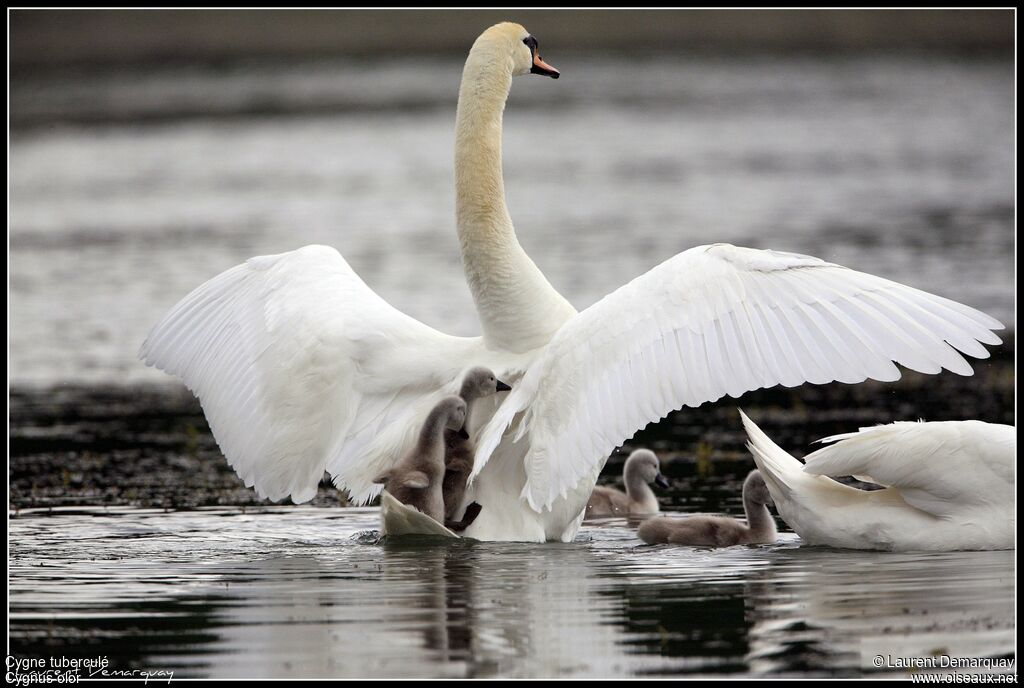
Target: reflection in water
<point x="435" y="609"/>
<point x="311" y="592"/>
<point x="818" y="604"/>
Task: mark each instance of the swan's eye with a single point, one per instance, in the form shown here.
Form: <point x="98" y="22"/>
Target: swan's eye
<point x="531" y="43"/>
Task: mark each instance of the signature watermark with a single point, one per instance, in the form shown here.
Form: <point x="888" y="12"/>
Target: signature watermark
<point x="24" y="671"/>
<point x="944" y="662"/>
<point x="949" y="669"/>
<point x="963" y="678"/>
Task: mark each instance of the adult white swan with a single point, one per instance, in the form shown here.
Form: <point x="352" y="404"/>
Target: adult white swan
<point x="949" y="486"/>
<point x="301" y="368"/>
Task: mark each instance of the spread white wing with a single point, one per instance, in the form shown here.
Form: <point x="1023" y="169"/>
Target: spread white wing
<point x="300" y="367"/>
<point x="939" y="467"/>
<point x="711" y="321"/>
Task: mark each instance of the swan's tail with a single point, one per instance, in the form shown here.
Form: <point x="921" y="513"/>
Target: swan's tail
<point x="781" y="471"/>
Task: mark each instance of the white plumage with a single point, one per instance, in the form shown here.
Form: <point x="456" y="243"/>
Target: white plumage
<point x="712" y="321"/>
<point x="302" y="368"/>
<point x="949" y="486"/>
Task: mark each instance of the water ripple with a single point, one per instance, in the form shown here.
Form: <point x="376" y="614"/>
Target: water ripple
<point x="313" y="592"/>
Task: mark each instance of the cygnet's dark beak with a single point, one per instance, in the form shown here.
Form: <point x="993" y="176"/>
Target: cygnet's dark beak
<point x="661" y="481"/>
<point x="502" y="387"/>
<point x="463" y="434"/>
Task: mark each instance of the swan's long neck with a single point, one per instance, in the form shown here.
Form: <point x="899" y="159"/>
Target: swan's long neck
<point x="519" y="310"/>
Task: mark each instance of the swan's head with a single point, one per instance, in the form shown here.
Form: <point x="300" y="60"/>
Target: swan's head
<point x="521" y="48"/>
<point x="643" y="465"/>
<point x="454" y="410"/>
<point x="755" y="490"/>
<point x="481" y="382"/>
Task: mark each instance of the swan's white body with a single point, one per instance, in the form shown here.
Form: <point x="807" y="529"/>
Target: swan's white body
<point x="949" y="486"/>
<point x="302" y="368"/>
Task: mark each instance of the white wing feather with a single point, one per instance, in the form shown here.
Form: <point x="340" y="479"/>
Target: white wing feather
<point x="300" y="367"/>
<point x="939" y="467"/>
<point x="711" y="321"/>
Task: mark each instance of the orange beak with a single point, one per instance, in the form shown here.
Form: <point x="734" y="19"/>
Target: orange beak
<point x="543" y="68"/>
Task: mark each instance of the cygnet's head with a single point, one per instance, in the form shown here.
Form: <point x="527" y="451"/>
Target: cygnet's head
<point x="480" y="382"/>
<point x="454" y="410"/>
<point x="519" y="45"/>
<point x="755" y="490"/>
<point x="643" y="464"/>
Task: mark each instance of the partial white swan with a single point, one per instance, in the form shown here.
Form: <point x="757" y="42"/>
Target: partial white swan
<point x="642" y="468"/>
<point x="705" y="530"/>
<point x="949" y="486"/>
<point x="302" y="368"/>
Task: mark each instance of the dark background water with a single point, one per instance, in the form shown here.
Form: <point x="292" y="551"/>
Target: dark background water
<point x="149" y="446"/>
<point x="41" y="40"/>
<point x="150" y="151"/>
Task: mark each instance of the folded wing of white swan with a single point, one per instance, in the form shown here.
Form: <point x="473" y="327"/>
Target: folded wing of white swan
<point x="711" y="321"/>
<point x="949" y="486"/>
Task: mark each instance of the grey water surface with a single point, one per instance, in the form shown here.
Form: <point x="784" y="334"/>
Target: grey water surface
<point x="310" y="592"/>
<point x="129" y="188"/>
